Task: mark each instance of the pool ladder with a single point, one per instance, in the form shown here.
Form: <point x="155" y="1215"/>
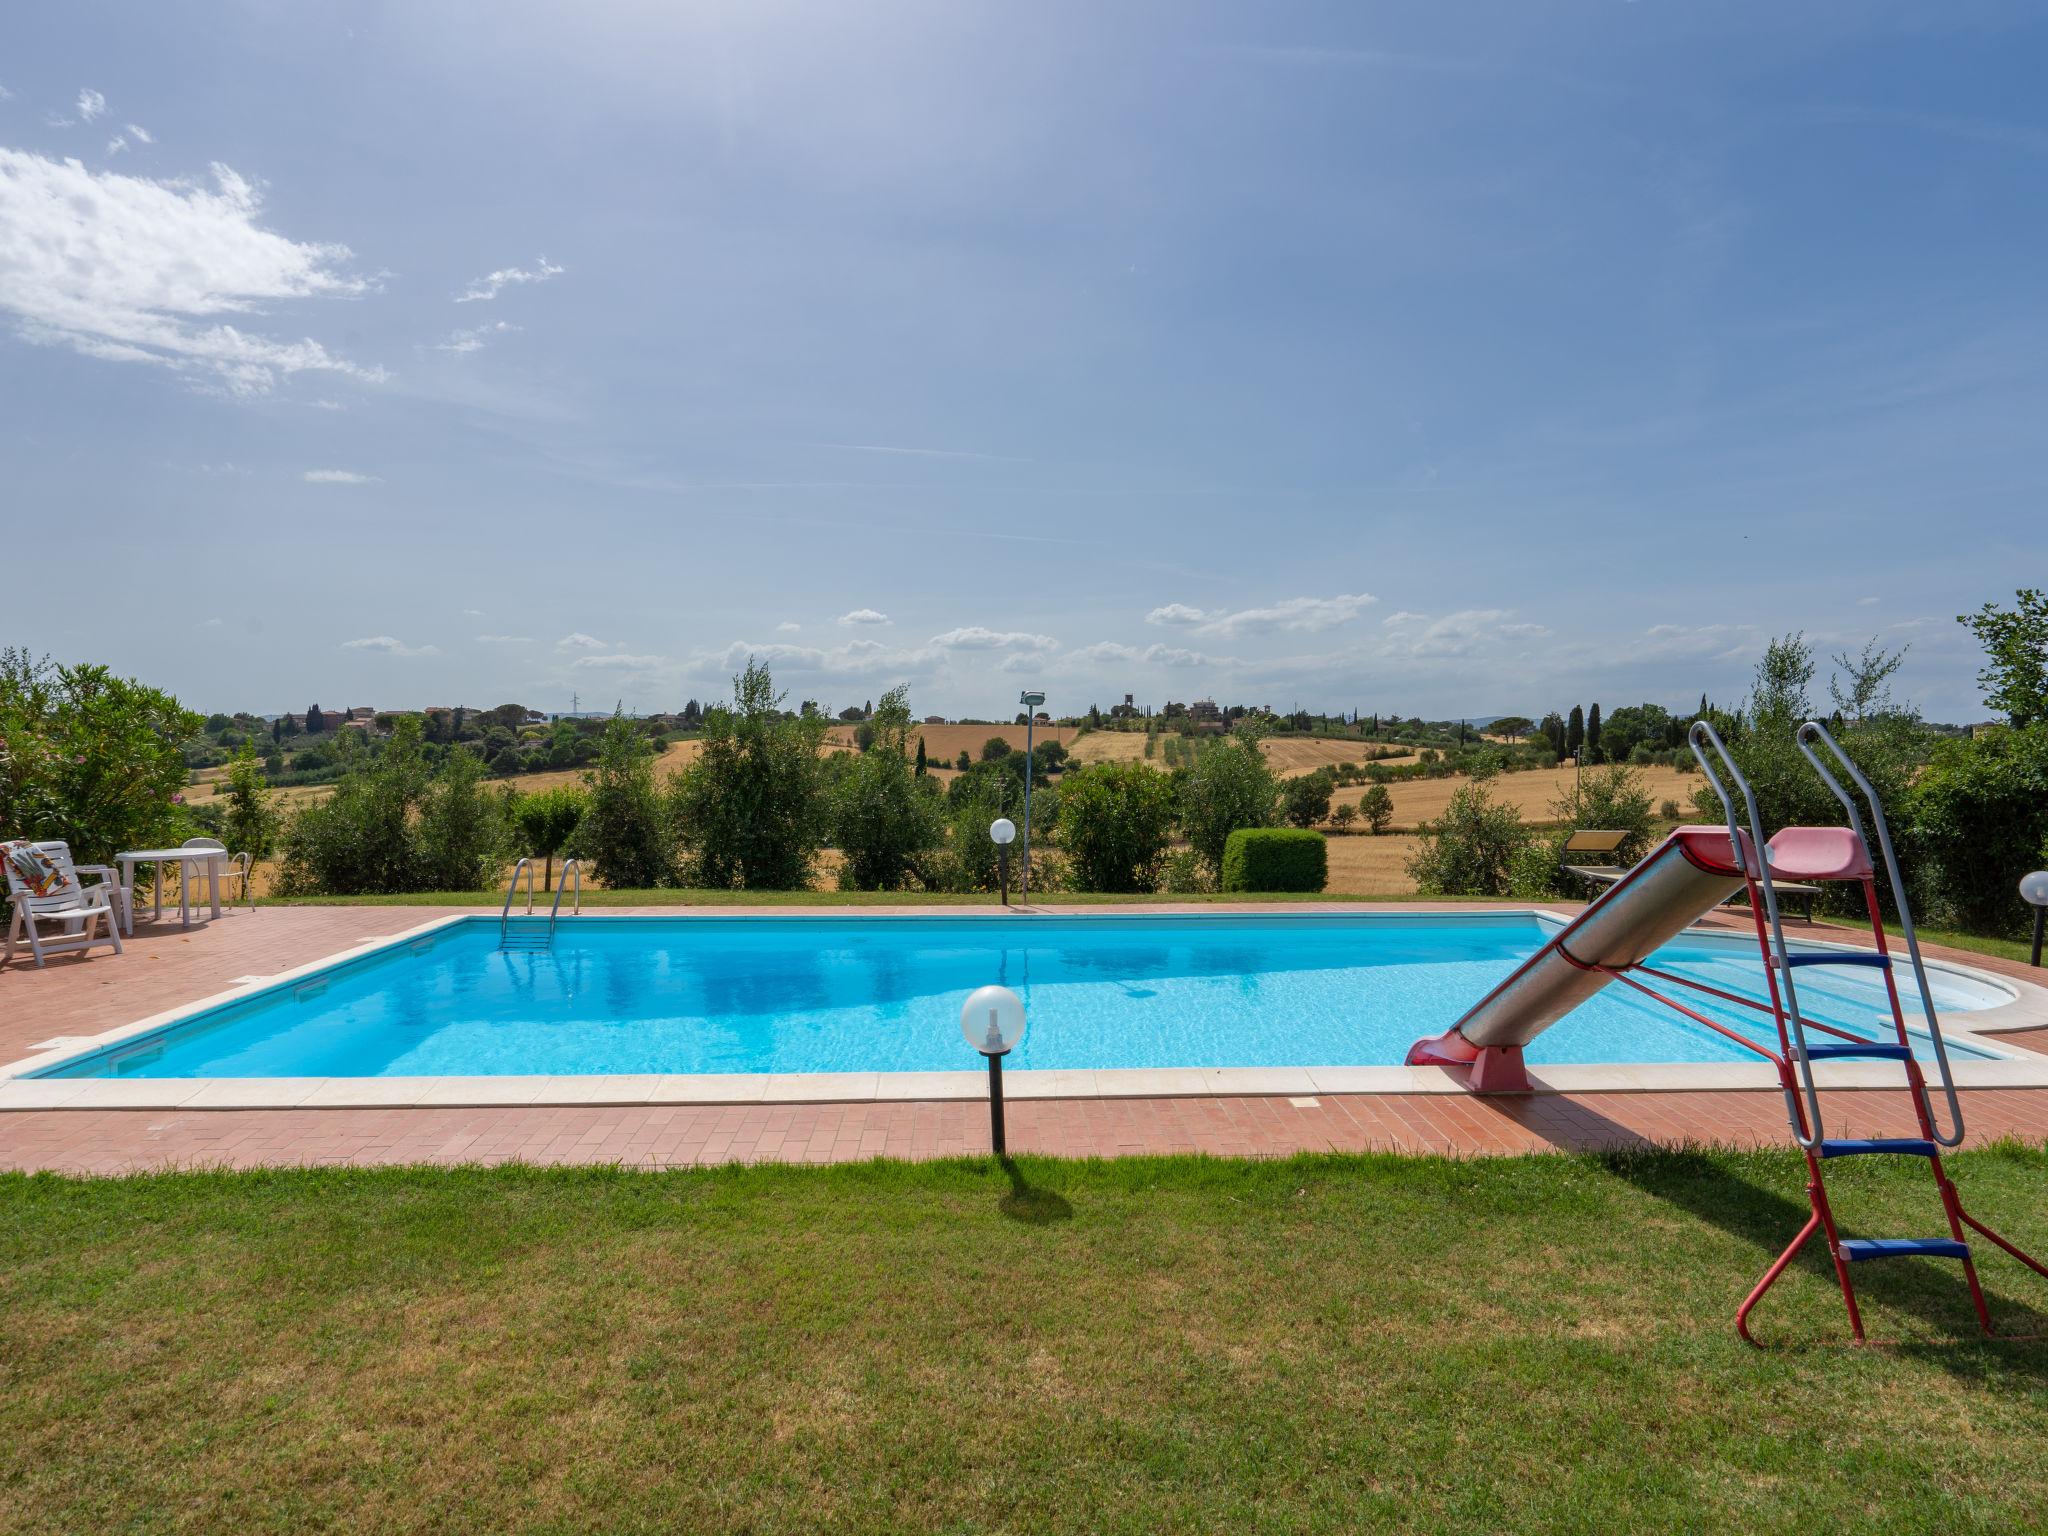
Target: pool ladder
<point x="528" y="932"/>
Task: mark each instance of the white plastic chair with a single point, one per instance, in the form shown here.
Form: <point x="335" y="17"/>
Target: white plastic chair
<point x="105" y="881"/>
<point x="75" y="911"/>
<point x="214" y="868"/>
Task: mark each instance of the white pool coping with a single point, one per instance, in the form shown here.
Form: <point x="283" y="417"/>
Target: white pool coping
<point x="20" y="1090"/>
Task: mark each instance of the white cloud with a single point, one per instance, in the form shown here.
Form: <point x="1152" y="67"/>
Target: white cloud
<point x="1111" y="651"/>
<point x="127" y="269"/>
<point x="387" y="645"/>
<point x="6" y="94"/>
<point x="504" y="639"/>
<point x="621" y="661"/>
<point x="90" y="104"/>
<point x="864" y="616"/>
<point x="339" y="477"/>
<point x="116" y="144"/>
<point x="472" y="613"/>
<point x="140" y="134"/>
<point x="1865" y="602"/>
<point x="787" y="627"/>
<point x="579" y="641"/>
<point x="327" y="405"/>
<point x="976" y="638"/>
<point x="472" y="340"/>
<point x="491" y="284"/>
<point x="1299" y="614"/>
<point x="214" y="624"/>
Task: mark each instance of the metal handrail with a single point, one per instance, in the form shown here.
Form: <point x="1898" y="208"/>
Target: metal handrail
<point x="1699" y="738"/>
<point x="524" y="865"/>
<point x="569" y="867"/>
<point x="1807" y="734"/>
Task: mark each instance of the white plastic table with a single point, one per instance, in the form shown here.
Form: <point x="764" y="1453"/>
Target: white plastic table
<point x="215" y="858"/>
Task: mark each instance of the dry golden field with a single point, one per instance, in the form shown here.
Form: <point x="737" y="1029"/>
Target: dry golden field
<point x="1532" y="793"/>
<point x="1289" y="755"/>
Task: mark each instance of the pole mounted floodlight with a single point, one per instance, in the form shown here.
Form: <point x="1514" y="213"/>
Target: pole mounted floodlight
<point x="1002" y="832"/>
<point x="2034" y="892"/>
<point x="992" y="1019"/>
<point x="1031" y="699"/>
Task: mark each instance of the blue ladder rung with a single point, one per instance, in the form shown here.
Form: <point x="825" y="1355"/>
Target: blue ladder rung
<point x="1879" y="962"/>
<point x="1874" y="1051"/>
<point x="1864" y="1146"/>
<point x="1856" y="1249"/>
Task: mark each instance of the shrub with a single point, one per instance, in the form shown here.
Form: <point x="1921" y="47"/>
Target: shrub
<point x="1470" y="849"/>
<point x="1227" y="787"/>
<point x="461" y="827"/>
<point x="1342" y="817"/>
<point x="89" y="757"/>
<point x="1304" y="801"/>
<point x="1610" y="799"/>
<point x="1669" y="810"/>
<point x="622" y="833"/>
<point x="542" y="824"/>
<point x="1376" y="805"/>
<point x="994" y="748"/>
<point x="1182" y="873"/>
<point x="249" y="823"/>
<point x="1275" y="859"/>
<point x="1115" y="822"/>
<point x="1533" y="870"/>
<point x="752" y="812"/>
<point x="886" y="818"/>
<point x="1979" y="821"/>
<point x="362" y="840"/>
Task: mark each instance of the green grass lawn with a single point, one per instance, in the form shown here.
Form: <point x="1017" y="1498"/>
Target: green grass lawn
<point x="1349" y="1344"/>
<point x="2007" y="949"/>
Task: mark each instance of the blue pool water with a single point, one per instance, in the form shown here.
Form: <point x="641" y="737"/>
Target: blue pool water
<point x="837" y="994"/>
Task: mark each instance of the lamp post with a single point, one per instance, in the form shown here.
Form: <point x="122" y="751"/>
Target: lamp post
<point x="992" y="1019"/>
<point x="1031" y="701"/>
<point x="1001" y="831"/>
<point x="2034" y="892"/>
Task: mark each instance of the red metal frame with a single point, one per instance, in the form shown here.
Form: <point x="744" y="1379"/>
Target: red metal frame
<point x="1822" y="1215"/>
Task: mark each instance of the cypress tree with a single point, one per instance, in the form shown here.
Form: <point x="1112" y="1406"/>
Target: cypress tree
<point x="1574" y="731"/>
<point x="1593" y="734"/>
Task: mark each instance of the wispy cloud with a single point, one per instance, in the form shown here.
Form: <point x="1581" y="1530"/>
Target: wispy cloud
<point x="975" y="638"/>
<point x="619" y="661"/>
<point x="389" y="645"/>
<point x="140" y="134"/>
<point x="127" y="269"/>
<point x="339" y="477"/>
<point x="788" y="627"/>
<point x="1300" y="614"/>
<point x="90" y="105"/>
<point x="491" y="284"/>
<point x="473" y="340"/>
<point x="861" y="616"/>
<point x="578" y="641"/>
<point x="504" y="639"/>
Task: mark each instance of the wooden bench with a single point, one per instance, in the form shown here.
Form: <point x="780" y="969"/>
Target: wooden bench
<point x="1601" y="876"/>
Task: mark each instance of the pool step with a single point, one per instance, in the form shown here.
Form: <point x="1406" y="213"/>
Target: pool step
<point x="1877" y="1146"/>
<point x="1871" y="1051"/>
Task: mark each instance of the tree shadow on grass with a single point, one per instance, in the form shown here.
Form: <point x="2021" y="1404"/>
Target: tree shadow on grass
<point x="1711" y="1188"/>
<point x="1027" y="1203"/>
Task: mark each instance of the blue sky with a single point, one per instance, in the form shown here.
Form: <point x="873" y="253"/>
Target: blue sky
<point x="1432" y="358"/>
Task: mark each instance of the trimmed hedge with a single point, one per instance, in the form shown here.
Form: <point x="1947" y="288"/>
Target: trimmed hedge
<point x="1275" y="859"/>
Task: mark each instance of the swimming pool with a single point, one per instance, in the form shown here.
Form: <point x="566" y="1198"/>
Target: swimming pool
<point x="844" y="994"/>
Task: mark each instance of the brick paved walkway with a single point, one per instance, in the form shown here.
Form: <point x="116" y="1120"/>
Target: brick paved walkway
<point x="166" y="967"/>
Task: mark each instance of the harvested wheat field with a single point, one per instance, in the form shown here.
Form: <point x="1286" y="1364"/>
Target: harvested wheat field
<point x="1291" y="756"/>
<point x="944" y="743"/>
<point x="1362" y="865"/>
<point x="1532" y="793"/>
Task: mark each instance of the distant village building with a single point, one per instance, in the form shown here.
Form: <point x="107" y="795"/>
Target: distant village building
<point x="1205" y="712"/>
<point x="934" y="719"/>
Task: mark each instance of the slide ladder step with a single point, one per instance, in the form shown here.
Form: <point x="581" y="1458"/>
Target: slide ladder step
<point x="1875" y="962"/>
<point x="1856" y="1250"/>
<point x="1868" y="1146"/>
<point x="1872" y="1051"/>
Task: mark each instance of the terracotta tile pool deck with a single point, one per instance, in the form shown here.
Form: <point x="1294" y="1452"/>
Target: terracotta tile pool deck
<point x="166" y="967"/>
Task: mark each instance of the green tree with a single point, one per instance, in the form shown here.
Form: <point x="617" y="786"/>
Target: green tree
<point x="315" y="721"/>
<point x="1593" y="734"/>
<point x="1115" y="822"/>
<point x="249" y="821"/>
<point x="887" y="820"/>
<point x="2015" y="641"/>
<point x="363" y="840"/>
<point x="751" y="811"/>
<point x="1610" y="799"/>
<point x="88" y="757"/>
<point x="1470" y="850"/>
<point x="1227" y="786"/>
<point x="923" y="763"/>
<point x="1305" y="799"/>
<point x="1376" y="805"/>
<point x="1980" y="822"/>
<point x="461" y="827"/>
<point x="1574" y="732"/>
<point x="964" y="761"/>
<point x="623" y="832"/>
<point x="543" y="823"/>
<point x="996" y="747"/>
